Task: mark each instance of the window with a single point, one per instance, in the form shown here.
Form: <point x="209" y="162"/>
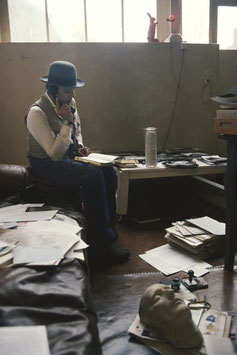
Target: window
<point x="104" y="22"/>
<point x="223" y="26"/>
<point x="227" y="27"/>
<point x="195" y="21"/>
<point x="136" y="20"/>
<point x="80" y="20"/>
<point x="27" y="20"/>
<point x="199" y="21"/>
<point x="66" y="20"/>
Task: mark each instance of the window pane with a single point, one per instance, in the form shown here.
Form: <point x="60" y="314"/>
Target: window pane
<point x="104" y="20"/>
<point x="136" y="20"/>
<point x="66" y="21"/>
<point x="227" y="27"/>
<point x="195" y="21"/>
<point x="27" y="20"/>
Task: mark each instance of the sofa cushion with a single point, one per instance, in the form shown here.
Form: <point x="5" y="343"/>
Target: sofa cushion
<point x="20" y="181"/>
<point x="12" y="178"/>
<point x="55" y="296"/>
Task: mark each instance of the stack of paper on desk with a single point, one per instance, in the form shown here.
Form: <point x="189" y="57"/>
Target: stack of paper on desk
<point x="203" y="237"/>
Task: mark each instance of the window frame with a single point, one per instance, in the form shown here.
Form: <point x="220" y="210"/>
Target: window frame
<point x="162" y="6"/>
<point x="213" y="21"/>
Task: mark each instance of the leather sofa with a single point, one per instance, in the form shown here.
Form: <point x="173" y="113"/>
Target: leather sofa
<point x="58" y="297"/>
<point x="21" y="182"/>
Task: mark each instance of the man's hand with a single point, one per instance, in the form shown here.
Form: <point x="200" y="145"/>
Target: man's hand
<point x="64" y="111"/>
<point x="84" y="151"/>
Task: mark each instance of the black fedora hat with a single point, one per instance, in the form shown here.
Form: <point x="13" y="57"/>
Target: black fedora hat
<point x="62" y="74"/>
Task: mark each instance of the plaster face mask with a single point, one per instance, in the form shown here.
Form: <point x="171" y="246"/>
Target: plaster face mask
<point x="165" y="312"/>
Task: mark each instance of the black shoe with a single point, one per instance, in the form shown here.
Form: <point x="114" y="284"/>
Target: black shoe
<point x="109" y="254"/>
<point x="115" y="255"/>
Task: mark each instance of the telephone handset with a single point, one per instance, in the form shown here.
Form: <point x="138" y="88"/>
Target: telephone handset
<point x="73" y="110"/>
<point x="53" y="91"/>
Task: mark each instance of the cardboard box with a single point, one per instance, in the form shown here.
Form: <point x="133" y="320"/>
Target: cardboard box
<point x="225" y="125"/>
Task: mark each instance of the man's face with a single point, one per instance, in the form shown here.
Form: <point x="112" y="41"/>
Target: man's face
<point x="65" y="95"/>
<point x="165" y="312"/>
<point x="166" y="304"/>
<point x="162" y="305"/>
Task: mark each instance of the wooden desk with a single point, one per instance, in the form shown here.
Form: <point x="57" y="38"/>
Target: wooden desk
<point x="141" y="172"/>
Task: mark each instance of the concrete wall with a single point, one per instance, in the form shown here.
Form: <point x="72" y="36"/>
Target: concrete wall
<point x="227" y="79"/>
<point x="228" y="69"/>
<point x="129" y="86"/>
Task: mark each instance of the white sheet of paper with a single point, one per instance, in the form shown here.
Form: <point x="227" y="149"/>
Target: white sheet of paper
<point x="79" y="255"/>
<point x="182" y="230"/>
<point x="36" y="204"/>
<point x="173" y="230"/>
<point x="8" y="225"/>
<point x="14" y="208"/>
<point x="193" y="230"/>
<point x="209" y="224"/>
<point x="47" y="235"/>
<point x="216" y="345"/>
<point x="19" y="207"/>
<point x="76" y="250"/>
<point x="53" y="225"/>
<point x="160" y="264"/>
<point x="190" y="241"/>
<point x="68" y="222"/>
<point x="41" y="233"/>
<point x="32" y="254"/>
<point x="27" y="216"/>
<point x="23" y="340"/>
<point x="169" y="260"/>
<point x="80" y="245"/>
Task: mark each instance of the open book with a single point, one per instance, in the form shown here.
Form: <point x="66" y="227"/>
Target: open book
<point x="105" y="160"/>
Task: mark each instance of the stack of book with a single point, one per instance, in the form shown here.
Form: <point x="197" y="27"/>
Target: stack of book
<point x="202" y="237"/>
<point x="226" y="115"/>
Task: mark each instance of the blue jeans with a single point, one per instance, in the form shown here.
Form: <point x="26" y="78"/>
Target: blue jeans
<point x="99" y="186"/>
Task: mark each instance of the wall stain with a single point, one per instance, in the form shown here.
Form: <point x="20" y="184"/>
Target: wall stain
<point x="24" y="58"/>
